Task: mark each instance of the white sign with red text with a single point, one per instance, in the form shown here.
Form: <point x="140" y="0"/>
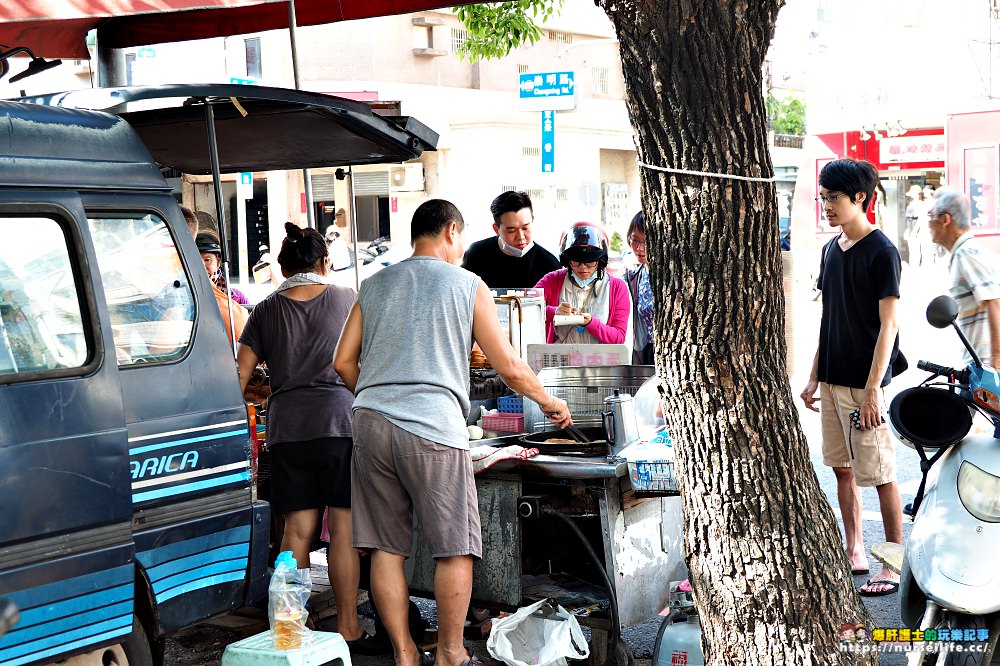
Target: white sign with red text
<point x="900" y="149"/>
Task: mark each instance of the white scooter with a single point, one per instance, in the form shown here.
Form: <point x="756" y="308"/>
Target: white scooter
<point x="950" y="574"/>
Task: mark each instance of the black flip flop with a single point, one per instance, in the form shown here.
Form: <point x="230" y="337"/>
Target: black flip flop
<point x="880" y="593"/>
<point x="368" y="645"/>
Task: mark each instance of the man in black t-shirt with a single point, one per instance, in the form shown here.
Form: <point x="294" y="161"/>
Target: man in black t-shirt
<point x="858" y="351"/>
<point x="510" y="259"/>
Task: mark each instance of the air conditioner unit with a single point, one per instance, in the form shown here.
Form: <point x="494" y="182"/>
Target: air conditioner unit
<point x="407" y="178"/>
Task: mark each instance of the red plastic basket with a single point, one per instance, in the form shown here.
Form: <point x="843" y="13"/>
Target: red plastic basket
<point x="503" y="422"/>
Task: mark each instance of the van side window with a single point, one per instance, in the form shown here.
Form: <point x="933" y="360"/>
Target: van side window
<point x="41" y="325"/>
<point x="149" y="295"/>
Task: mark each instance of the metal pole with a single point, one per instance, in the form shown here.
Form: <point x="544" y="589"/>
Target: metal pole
<point x="306" y="178"/>
<point x="111" y="67"/>
<point x="213" y="152"/>
<point x="354" y="230"/>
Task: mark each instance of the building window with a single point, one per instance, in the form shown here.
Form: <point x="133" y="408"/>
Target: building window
<point x="252" y="46"/>
<point x="536" y="195"/>
<point x="823" y="11"/>
<point x="458" y="38"/>
<point x="602" y="81"/>
<point x="129" y="63"/>
<point x="508" y="188"/>
<point x="522" y="69"/>
<point x="562" y="37"/>
<point x="423" y="37"/>
<point x="531" y="151"/>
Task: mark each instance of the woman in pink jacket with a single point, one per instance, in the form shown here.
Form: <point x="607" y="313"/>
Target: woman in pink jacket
<point x="584" y="287"/>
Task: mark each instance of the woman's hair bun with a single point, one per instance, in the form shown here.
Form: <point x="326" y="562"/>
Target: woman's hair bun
<point x="302" y="248"/>
<point x="293" y="231"/>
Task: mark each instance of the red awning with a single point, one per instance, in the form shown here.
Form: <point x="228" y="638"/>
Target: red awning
<point x="57" y="29"/>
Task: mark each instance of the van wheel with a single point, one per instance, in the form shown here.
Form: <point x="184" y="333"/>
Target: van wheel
<point x="133" y="651"/>
<point x="136" y="647"/>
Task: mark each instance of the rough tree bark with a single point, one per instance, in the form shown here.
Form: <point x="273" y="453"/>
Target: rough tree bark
<point x="766" y="558"/>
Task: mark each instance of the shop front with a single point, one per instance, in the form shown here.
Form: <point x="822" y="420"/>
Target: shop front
<point x="911" y="165"/>
<point x="973" y="154"/>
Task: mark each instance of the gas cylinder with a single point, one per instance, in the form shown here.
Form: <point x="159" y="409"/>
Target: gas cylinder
<point x="679" y="642"/>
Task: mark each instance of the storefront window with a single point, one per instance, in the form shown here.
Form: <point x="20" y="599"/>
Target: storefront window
<point x="980" y="169"/>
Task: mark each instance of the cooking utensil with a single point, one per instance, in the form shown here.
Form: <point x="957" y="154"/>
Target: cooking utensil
<point x="595" y="447"/>
<point x="577" y="434"/>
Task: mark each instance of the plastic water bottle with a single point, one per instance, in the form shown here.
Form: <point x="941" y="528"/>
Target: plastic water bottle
<point x="287" y="597"/>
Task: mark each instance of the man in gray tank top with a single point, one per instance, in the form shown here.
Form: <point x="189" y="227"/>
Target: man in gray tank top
<point x="405" y="353"/>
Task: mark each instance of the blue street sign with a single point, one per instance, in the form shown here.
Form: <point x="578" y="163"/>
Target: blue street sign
<point x="146" y="52"/>
<point x="548" y="141"/>
<point x="546" y="84"/>
<point x="246" y="178"/>
<point x="242" y="82"/>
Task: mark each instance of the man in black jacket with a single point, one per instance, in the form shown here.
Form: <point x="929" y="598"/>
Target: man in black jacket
<point x="510" y="259"/>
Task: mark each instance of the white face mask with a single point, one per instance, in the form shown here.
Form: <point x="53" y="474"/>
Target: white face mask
<point x="515" y="251"/>
<point x="587" y="282"/>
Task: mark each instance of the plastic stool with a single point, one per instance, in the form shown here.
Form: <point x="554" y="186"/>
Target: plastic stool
<point x="256" y="650"/>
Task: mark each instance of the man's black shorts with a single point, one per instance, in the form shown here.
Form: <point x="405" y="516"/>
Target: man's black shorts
<point x="313" y="474"/>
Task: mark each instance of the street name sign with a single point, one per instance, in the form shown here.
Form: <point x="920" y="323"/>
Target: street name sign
<point x="546" y="91"/>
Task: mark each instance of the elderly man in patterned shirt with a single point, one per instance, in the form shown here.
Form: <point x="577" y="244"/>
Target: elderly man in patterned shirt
<point x="975" y="274"/>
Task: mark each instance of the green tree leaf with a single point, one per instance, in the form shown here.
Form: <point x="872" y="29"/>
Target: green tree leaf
<point x="494" y="30"/>
<point x="787" y="115"/>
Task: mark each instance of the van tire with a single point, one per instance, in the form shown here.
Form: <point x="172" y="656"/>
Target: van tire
<point x="136" y="646"/>
<point x="133" y="651"/>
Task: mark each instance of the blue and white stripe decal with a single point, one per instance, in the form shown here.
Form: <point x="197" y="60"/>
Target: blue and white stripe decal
<point x="69" y="614"/>
<point x="165" y="469"/>
<point x="194" y="564"/>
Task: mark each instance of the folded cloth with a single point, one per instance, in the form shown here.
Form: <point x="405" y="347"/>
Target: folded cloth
<point x="485" y="456"/>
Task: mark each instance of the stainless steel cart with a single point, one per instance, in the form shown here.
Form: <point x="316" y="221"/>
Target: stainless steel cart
<point x="576" y="515"/>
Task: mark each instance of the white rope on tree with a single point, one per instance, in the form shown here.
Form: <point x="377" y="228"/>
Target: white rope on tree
<point x="710" y="174"/>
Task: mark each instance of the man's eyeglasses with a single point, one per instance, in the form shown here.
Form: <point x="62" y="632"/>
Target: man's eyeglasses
<point x="637" y="244"/>
<point x="582" y="264"/>
<point x="829" y="198"/>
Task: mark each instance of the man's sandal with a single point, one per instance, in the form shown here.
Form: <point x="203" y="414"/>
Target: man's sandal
<point x="473" y="660"/>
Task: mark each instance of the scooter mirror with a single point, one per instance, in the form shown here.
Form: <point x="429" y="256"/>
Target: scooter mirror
<point x="942" y="311"/>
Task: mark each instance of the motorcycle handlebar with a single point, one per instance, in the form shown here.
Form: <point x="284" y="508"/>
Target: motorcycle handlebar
<point x="936" y="369"/>
<point x="960" y="376"/>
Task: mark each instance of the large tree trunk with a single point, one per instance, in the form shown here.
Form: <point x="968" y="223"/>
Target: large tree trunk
<point x="771" y="580"/>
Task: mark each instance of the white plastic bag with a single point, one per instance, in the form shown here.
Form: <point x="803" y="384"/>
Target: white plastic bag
<point x="288" y="594"/>
<point x="542" y="634"/>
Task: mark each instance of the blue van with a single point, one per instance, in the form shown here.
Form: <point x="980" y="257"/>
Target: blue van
<point x="128" y="507"/>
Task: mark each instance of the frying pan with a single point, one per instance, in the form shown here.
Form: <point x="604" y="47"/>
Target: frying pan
<point x="596" y="447"/>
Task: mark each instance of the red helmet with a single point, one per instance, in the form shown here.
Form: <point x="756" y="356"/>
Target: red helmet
<point x="584" y="241"/>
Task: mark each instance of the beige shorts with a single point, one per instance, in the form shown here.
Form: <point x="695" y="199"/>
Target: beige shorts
<point x="396" y="474"/>
<point x="870" y="453"/>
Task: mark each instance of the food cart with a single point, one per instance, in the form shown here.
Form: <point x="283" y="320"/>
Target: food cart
<point x="566" y="524"/>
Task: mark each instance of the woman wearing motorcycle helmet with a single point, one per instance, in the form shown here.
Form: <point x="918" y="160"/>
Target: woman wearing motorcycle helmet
<point x="585" y="288"/>
<point x="211" y="253"/>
